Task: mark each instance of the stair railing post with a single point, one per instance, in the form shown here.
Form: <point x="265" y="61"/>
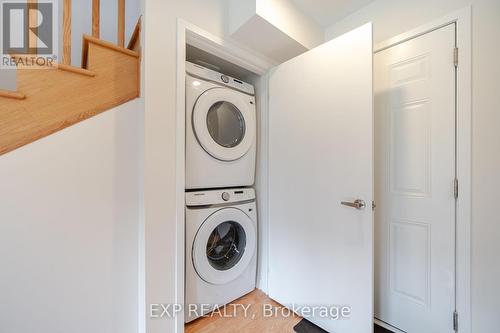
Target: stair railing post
<point x="67" y="32"/>
<point x="32" y="24"/>
<point x="96" y="17"/>
<point x="121" y="23"/>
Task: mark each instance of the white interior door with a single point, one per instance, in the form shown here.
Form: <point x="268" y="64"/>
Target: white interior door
<point x="320" y="154"/>
<point x="415" y="170"/>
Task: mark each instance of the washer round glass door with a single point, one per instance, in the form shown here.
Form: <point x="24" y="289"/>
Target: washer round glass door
<point x="224" y="246"/>
<point x="224" y="123"/>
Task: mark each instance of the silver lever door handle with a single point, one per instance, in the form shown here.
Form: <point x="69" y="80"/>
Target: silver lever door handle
<point x="358" y="204"/>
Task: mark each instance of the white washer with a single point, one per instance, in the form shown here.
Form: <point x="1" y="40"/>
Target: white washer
<point x="221" y="248"/>
<point x="220" y="130"/>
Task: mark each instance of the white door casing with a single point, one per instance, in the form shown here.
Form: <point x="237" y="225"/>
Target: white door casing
<point x="414" y="85"/>
<point x="321" y="153"/>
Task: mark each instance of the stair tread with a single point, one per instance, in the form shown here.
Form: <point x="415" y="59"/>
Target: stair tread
<point x="64" y="67"/>
<point x="11" y="94"/>
<point x="76" y="70"/>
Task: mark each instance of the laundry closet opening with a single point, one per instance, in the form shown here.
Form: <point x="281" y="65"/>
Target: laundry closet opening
<point x="225" y="178"/>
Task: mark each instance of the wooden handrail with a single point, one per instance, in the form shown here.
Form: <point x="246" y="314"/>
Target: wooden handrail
<point x="67" y="32"/>
<point x="121" y="23"/>
<point x="96" y="17"/>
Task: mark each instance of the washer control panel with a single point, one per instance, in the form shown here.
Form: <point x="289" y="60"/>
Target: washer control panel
<point x="214" y="197"/>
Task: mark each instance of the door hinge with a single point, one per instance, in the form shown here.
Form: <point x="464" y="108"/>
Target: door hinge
<point x="455" y="188"/>
<point x="455" y="56"/>
<point x="374" y="205"/>
<point x="455" y="321"/>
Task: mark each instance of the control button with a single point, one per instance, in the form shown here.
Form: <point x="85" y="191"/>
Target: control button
<point x="224" y="79"/>
<point x="225" y="196"/>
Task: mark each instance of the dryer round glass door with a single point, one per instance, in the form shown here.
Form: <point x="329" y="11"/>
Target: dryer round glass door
<point x="224" y="246"/>
<point x="224" y="123"/>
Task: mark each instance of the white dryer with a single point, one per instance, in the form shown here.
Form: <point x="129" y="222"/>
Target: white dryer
<point x="221" y="247"/>
<point x="220" y="130"/>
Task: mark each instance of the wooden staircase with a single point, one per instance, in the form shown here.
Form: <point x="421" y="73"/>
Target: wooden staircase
<point x="50" y="99"/>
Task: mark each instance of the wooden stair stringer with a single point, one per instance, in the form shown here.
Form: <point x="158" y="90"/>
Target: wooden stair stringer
<point x="56" y="99"/>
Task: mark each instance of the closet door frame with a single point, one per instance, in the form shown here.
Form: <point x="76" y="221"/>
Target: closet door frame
<point x="188" y="33"/>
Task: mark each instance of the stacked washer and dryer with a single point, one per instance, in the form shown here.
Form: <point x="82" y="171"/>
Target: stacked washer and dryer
<point x="221" y="216"/>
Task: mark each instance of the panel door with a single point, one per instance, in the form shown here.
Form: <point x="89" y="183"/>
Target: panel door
<point x="320" y="154"/>
<point x="415" y="171"/>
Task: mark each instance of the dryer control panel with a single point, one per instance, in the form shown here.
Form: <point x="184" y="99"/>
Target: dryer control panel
<point x="226" y="80"/>
<point x="221" y="196"/>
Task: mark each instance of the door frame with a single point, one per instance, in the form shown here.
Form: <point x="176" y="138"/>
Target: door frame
<point x="188" y="33"/>
<point x="462" y="19"/>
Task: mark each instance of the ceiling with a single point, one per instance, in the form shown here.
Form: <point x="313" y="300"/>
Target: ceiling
<point x="327" y="12"/>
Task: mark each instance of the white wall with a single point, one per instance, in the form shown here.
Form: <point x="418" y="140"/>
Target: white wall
<point x="391" y="17"/>
<point x="288" y="18"/>
<point x="160" y="131"/>
<point x="288" y="31"/>
<point x="69" y="228"/>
